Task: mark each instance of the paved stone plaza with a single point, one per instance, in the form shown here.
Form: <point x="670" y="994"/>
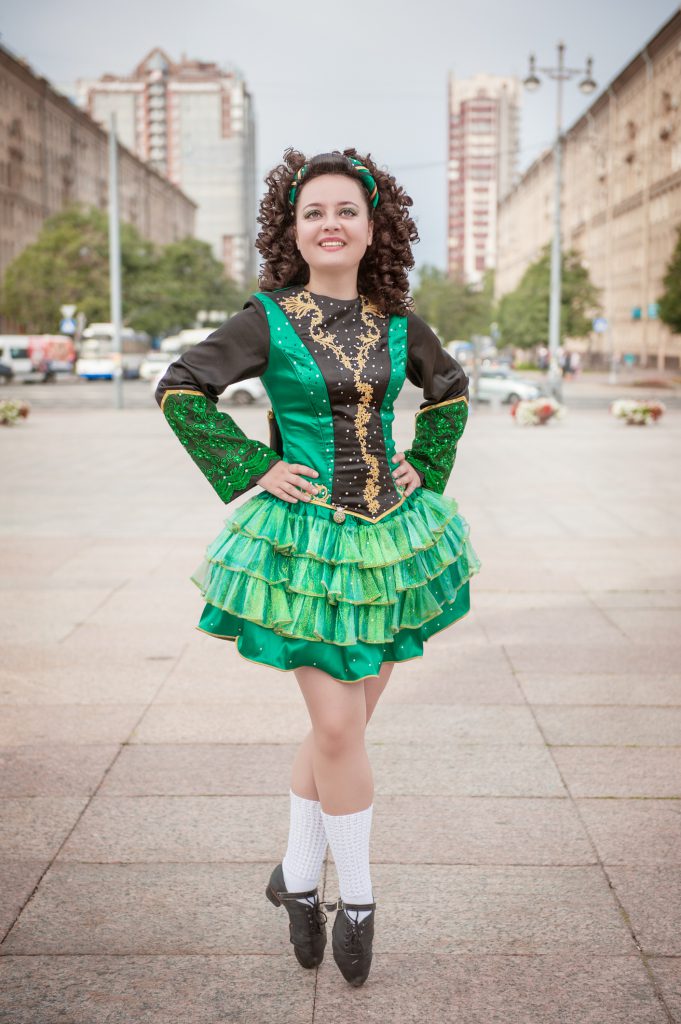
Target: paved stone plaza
<point x="526" y="846"/>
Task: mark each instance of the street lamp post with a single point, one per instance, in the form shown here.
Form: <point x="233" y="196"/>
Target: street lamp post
<point x="561" y="74"/>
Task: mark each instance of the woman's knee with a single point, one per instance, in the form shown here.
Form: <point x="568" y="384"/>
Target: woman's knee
<point x="337" y="711"/>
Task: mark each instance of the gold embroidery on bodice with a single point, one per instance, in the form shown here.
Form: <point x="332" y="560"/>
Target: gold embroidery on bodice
<point x="303" y="307"/>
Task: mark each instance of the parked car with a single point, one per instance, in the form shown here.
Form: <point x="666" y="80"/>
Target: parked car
<point x="242" y="393"/>
<point x="155" y="363"/>
<point x="502" y="385"/>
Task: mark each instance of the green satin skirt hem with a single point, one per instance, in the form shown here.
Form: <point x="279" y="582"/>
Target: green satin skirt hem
<point x="349" y="663"/>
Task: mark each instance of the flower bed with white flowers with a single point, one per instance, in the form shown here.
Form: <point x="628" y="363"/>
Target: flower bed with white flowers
<point x="536" y="412"/>
<point x="637" y="412"/>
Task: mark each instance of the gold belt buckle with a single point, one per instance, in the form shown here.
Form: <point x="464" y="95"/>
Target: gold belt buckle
<point x="339" y="514"/>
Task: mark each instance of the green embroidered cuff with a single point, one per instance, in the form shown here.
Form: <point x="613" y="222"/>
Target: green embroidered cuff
<point x="230" y="461"/>
<point x="438" y="429"/>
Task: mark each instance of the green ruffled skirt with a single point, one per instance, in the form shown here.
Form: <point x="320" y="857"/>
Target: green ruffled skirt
<point x="293" y="588"/>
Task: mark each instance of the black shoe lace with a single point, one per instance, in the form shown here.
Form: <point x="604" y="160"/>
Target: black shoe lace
<point x="316" y="918"/>
<point x="353" y="937"/>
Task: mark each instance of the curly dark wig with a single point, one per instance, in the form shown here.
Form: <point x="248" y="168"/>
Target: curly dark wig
<point x="382" y="275"/>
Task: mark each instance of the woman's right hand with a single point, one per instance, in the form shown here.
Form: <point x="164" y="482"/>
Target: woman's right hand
<point x="285" y="480"/>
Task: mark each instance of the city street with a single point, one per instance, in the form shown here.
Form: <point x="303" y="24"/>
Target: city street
<point x="526" y="847"/>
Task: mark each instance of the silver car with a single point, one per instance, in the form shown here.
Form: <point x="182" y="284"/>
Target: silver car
<point x="502" y="385"/>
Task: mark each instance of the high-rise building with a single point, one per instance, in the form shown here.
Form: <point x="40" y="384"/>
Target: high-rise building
<point x="52" y="155"/>
<point x="484" y="148"/>
<point x="194" y="123"/>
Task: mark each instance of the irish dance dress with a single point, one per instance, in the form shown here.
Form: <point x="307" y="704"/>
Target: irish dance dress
<point x="360" y="574"/>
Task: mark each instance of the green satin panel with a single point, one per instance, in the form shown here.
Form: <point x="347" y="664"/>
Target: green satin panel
<point x="301" y="406"/>
<point x="397" y="347"/>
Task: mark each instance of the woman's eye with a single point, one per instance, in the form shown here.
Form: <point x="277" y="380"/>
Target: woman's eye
<point x="309" y="214"/>
<point x="348" y="209"/>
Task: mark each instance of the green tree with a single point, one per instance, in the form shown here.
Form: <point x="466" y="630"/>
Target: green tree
<point x="670" y="300"/>
<point x="454" y="309"/>
<point x="523" y="315"/>
<point x="163" y="288"/>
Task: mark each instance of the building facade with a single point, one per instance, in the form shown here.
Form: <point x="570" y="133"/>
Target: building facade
<point x="194" y="123"/>
<point x="621" y="202"/>
<point x="484" y="145"/>
<point x="52" y="155"/>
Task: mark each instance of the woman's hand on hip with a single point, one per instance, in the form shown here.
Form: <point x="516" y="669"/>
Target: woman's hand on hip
<point x="286" y="480"/>
<point x="405" y="475"/>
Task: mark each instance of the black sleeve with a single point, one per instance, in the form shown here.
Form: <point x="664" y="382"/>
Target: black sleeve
<point x="188" y="392"/>
<point x="429" y="365"/>
<point x="237" y="350"/>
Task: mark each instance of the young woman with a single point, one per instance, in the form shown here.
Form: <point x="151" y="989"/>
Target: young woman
<point x="350" y="557"/>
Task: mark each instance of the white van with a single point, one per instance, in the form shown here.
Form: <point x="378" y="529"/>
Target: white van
<point x="14" y="353"/>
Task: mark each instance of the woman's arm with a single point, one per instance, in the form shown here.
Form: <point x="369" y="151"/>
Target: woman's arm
<point x="188" y="393"/>
<point x="441" y="420"/>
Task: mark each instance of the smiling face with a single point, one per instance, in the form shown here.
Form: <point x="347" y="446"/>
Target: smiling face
<point x="332" y="225"/>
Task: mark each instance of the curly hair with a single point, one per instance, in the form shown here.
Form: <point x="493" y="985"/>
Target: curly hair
<point x="382" y="274"/>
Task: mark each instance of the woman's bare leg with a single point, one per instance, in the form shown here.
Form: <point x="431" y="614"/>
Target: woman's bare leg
<point x="332" y="758"/>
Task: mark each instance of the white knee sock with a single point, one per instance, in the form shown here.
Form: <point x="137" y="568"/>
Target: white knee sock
<point x="348" y="836"/>
<point x="302" y="863"/>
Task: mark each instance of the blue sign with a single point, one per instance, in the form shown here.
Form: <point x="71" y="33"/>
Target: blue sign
<point x="67" y="326"/>
<point x="636" y="313"/>
<point x="600" y="324"/>
<point x="653" y="310"/>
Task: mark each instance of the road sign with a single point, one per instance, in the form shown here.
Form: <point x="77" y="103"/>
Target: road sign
<point x="67" y="311"/>
<point x="600" y="325"/>
<point x="67" y="326"/>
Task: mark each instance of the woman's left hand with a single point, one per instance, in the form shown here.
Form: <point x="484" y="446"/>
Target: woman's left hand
<point x="406" y="476"/>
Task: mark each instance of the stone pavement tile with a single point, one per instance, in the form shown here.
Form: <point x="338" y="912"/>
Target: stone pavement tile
<point x="636" y="599"/>
<point x="604" y="688"/>
<point x="610" y="726"/>
<point x="478" y="830"/>
<point x="53" y="674"/>
<point x="515" y="626"/>
<point x="125" y="558"/>
<point x="155" y="609"/>
<point x="24" y="557"/>
<point x="33" y="828"/>
<point x="638" y="832"/>
<point x="651" y="898"/>
<point x="460" y="723"/>
<point x="18" y="879"/>
<point x="253" y="722"/>
<point x="647" y="625"/>
<point x="218" y="769"/>
<point x="60" y="770"/>
<point x="67" y="723"/>
<point x="462" y="769"/>
<point x="620" y="771"/>
<point x="531" y="600"/>
<point x="181" y="828"/>
<point x="46" y="615"/>
<point x="470" y="989"/>
<point x="667" y="973"/>
<point x="625" y="656"/>
<point x="142" y="989"/>
<point x="92" y="642"/>
<point x="502" y="574"/>
<point x="415" y="682"/>
<point x="483" y="909"/>
<point x="152" y="908"/>
<point x="225" y="676"/>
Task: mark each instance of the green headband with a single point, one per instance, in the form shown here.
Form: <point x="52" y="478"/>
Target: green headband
<point x="365" y="174"/>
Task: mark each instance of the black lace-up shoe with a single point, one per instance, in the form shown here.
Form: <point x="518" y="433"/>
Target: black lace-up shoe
<point x="307" y="921"/>
<point x="352" y="940"/>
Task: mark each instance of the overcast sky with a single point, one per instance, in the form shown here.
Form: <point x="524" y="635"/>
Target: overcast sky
<point x="368" y="73"/>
